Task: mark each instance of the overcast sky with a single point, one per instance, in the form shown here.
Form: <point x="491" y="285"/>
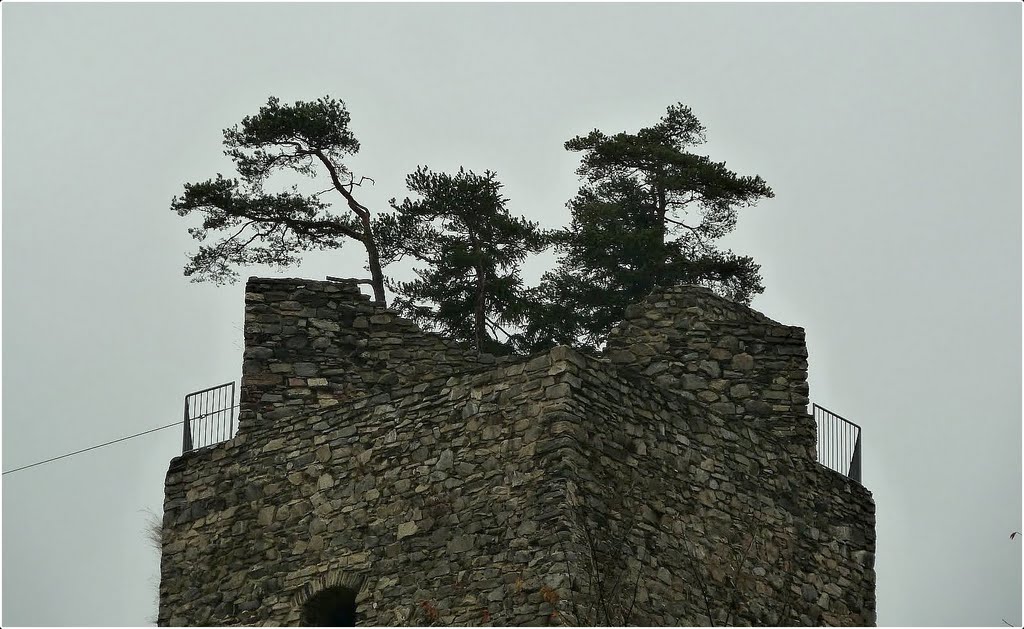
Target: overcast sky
<point x="891" y="135"/>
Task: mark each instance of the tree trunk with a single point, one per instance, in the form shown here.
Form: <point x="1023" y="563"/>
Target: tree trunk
<point x="662" y="212"/>
<point x="479" y="312"/>
<point x="372" y="255"/>
<point x="373" y="261"/>
<point x="480" y="303"/>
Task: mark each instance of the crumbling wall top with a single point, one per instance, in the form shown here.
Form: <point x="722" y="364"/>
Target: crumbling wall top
<point x="739" y="362"/>
<point x="316" y="344"/>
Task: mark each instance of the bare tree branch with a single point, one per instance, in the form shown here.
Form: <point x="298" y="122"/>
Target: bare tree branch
<point x="362" y="178"/>
<point x="700" y="582"/>
<point x="224" y="242"/>
<point x="636" y="588"/>
<point x="498" y="327"/>
<point x="361" y="210"/>
<point x="694" y="230"/>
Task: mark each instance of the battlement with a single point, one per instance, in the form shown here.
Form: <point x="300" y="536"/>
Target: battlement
<point x="399" y="477"/>
<point x="314" y="344"/>
<point x="739" y="362"/>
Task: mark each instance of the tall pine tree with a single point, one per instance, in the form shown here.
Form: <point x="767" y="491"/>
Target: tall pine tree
<point x="469" y="287"/>
<point x="648" y="214"/>
<point x="257" y="227"/>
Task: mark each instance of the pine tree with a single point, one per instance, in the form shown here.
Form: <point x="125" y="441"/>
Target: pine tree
<point x="470" y="287"/>
<point x="257" y="227"/>
<point x="648" y="214"/>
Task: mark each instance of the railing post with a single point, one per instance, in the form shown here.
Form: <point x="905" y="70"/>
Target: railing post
<point x="855" y="461"/>
<point x="186" y="438"/>
<point x="206" y="426"/>
<point x="231" y="410"/>
<point x="835" y="434"/>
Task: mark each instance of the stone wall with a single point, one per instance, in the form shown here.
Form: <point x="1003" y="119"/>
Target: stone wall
<point x="437" y="498"/>
<point x="700" y="519"/>
<point x="311" y="344"/>
<point x="739" y="362"/>
<point x="552" y="489"/>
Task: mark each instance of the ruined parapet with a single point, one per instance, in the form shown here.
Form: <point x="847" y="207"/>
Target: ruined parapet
<point x="739" y="362"/>
<point x="312" y="345"/>
<point x="434" y="503"/>
<point x="390" y="476"/>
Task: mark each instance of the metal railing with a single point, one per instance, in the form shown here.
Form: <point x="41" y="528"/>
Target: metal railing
<point x="209" y="417"/>
<point x="838" y="443"/>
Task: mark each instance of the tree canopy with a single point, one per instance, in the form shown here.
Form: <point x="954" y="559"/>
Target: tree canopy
<point x="257" y="227"/>
<point x="648" y="214"/>
<point x="470" y="287"/>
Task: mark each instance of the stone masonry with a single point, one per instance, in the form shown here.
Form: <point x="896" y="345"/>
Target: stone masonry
<point x="672" y="481"/>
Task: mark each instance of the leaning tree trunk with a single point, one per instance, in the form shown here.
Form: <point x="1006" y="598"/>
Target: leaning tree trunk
<point x="363" y="212"/>
<point x="373" y="260"/>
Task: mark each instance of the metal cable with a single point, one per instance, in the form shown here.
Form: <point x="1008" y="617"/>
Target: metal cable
<point x="64" y="456"/>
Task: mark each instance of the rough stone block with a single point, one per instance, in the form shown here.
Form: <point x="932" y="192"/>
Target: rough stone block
<point x="742" y="362"/>
<point x="306" y="369"/>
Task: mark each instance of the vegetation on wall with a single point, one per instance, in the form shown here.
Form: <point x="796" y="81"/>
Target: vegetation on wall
<point x="259" y="227"/>
<point x="649" y="213"/>
<point x="472" y="247"/>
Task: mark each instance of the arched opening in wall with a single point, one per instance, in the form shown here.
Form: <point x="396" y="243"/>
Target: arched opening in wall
<point x="331" y="607"/>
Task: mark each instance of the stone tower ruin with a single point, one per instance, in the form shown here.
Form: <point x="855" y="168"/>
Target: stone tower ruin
<point x="381" y="475"/>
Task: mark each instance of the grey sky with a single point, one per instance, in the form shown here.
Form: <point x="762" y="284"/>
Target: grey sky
<point x="891" y="135"/>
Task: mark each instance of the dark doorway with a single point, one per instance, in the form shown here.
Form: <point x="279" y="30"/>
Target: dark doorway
<point x="333" y="607"/>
